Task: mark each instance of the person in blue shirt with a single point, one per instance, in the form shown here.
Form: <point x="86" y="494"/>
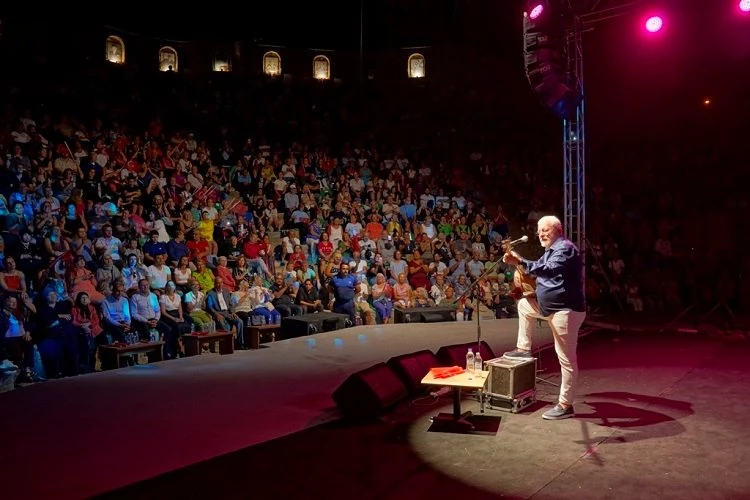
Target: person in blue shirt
<point x="344" y="287"/>
<point x="559" y="300"/>
<point x="153" y="247"/>
<point x="177" y="248"/>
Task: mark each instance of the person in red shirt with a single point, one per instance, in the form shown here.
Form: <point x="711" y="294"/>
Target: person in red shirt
<point x="325" y="247"/>
<point x="198" y="247"/>
<point x="255" y="251"/>
<point x="374" y="228"/>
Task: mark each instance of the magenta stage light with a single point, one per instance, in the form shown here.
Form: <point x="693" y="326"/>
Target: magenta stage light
<point x="654" y="24"/>
<point x="536" y="11"/>
<point x="745" y="5"/>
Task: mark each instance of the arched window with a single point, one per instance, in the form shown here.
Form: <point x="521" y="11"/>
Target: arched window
<point x="321" y="68"/>
<point x="115" y="50"/>
<point x="272" y="63"/>
<point x="222" y="62"/>
<point x="415" y="66"/>
<point x="168" y="59"/>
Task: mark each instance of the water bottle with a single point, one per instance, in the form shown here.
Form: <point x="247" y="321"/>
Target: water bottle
<point x="470" y="361"/>
<point x="478" y="362"/>
<point x="192" y="328"/>
<point x="358" y="320"/>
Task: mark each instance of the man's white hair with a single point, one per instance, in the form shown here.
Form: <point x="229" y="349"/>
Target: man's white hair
<point x="551" y="220"/>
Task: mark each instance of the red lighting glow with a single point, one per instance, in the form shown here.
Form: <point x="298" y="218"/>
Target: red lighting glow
<point x="654" y="24"/>
<point x="537" y="11"/>
<point x="745" y="5"/>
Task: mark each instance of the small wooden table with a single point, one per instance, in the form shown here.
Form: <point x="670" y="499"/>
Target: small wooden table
<point x="465" y="380"/>
<point x="193" y="342"/>
<point x="256" y="331"/>
<point x="110" y="354"/>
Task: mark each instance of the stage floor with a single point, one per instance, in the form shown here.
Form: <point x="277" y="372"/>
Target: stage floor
<point x="658" y="417"/>
<point x="82" y="436"/>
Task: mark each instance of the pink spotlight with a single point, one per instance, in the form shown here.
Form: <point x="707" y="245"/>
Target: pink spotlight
<point x="654" y="24"/>
<point x="745" y="5"/>
<point x="537" y="11"/>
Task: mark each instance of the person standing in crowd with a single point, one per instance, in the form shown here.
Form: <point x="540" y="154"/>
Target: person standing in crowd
<point x="344" y="288"/>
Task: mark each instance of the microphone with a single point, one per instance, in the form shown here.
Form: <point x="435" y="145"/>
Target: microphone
<point x="522" y="239"/>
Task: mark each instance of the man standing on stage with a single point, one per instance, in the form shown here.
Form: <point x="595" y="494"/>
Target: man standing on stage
<point x="559" y="301"/>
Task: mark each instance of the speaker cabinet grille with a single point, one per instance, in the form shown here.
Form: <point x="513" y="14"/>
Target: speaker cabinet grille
<point x="369" y="392"/>
<point x="451" y="355"/>
<point x="411" y="368"/>
<point x="510" y="377"/>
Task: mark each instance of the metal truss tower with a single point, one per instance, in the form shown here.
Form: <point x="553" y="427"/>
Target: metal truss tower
<point x="574" y="147"/>
<point x="584" y="14"/>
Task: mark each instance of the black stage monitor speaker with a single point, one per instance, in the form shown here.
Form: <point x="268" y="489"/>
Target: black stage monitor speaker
<point x="369" y="392"/>
<point x="455" y="355"/>
<point x="411" y="368"/>
<point x="424" y="314"/>
<point x="309" y="324"/>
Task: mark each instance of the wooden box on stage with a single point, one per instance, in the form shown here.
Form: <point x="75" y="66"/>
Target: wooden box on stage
<point x="511" y="385"/>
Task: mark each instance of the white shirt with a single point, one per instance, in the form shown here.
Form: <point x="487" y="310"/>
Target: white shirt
<point x="158" y="278"/>
<point x="222" y="302"/>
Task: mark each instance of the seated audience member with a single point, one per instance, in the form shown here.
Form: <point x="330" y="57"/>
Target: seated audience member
<point x="382" y="299"/>
<point x="308" y="297"/>
<point x="284" y="294"/>
<point x="422" y="299"/>
<point x="173" y="316"/>
<point x="362" y="305"/>
<point x="219" y="305"/>
<point x="86" y="319"/>
<point x="116" y="313"/>
<point x="262" y="299"/>
<point x="402" y="293"/>
<point x="195" y="303"/>
<point x="57" y="337"/>
<point x="145" y="313"/>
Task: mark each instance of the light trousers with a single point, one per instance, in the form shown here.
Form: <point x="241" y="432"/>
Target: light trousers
<point x="565" y="326"/>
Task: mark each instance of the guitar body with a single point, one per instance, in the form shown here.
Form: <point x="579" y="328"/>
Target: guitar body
<point x="524" y="285"/>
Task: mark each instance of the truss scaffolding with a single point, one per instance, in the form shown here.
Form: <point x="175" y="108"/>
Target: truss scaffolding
<point x="583" y="15"/>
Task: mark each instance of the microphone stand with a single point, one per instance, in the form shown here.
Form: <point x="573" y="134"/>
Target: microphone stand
<point x="486" y="272"/>
<point x="479" y="324"/>
<point x="477" y="302"/>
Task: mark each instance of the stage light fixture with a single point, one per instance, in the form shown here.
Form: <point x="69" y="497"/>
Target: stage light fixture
<point x="744" y="6"/>
<point x="536" y="11"/>
<point x="535" y="8"/>
<point x="545" y="59"/>
<point x="654" y="24"/>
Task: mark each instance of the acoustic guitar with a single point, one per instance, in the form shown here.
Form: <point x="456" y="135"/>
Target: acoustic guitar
<point x="524" y="285"/>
